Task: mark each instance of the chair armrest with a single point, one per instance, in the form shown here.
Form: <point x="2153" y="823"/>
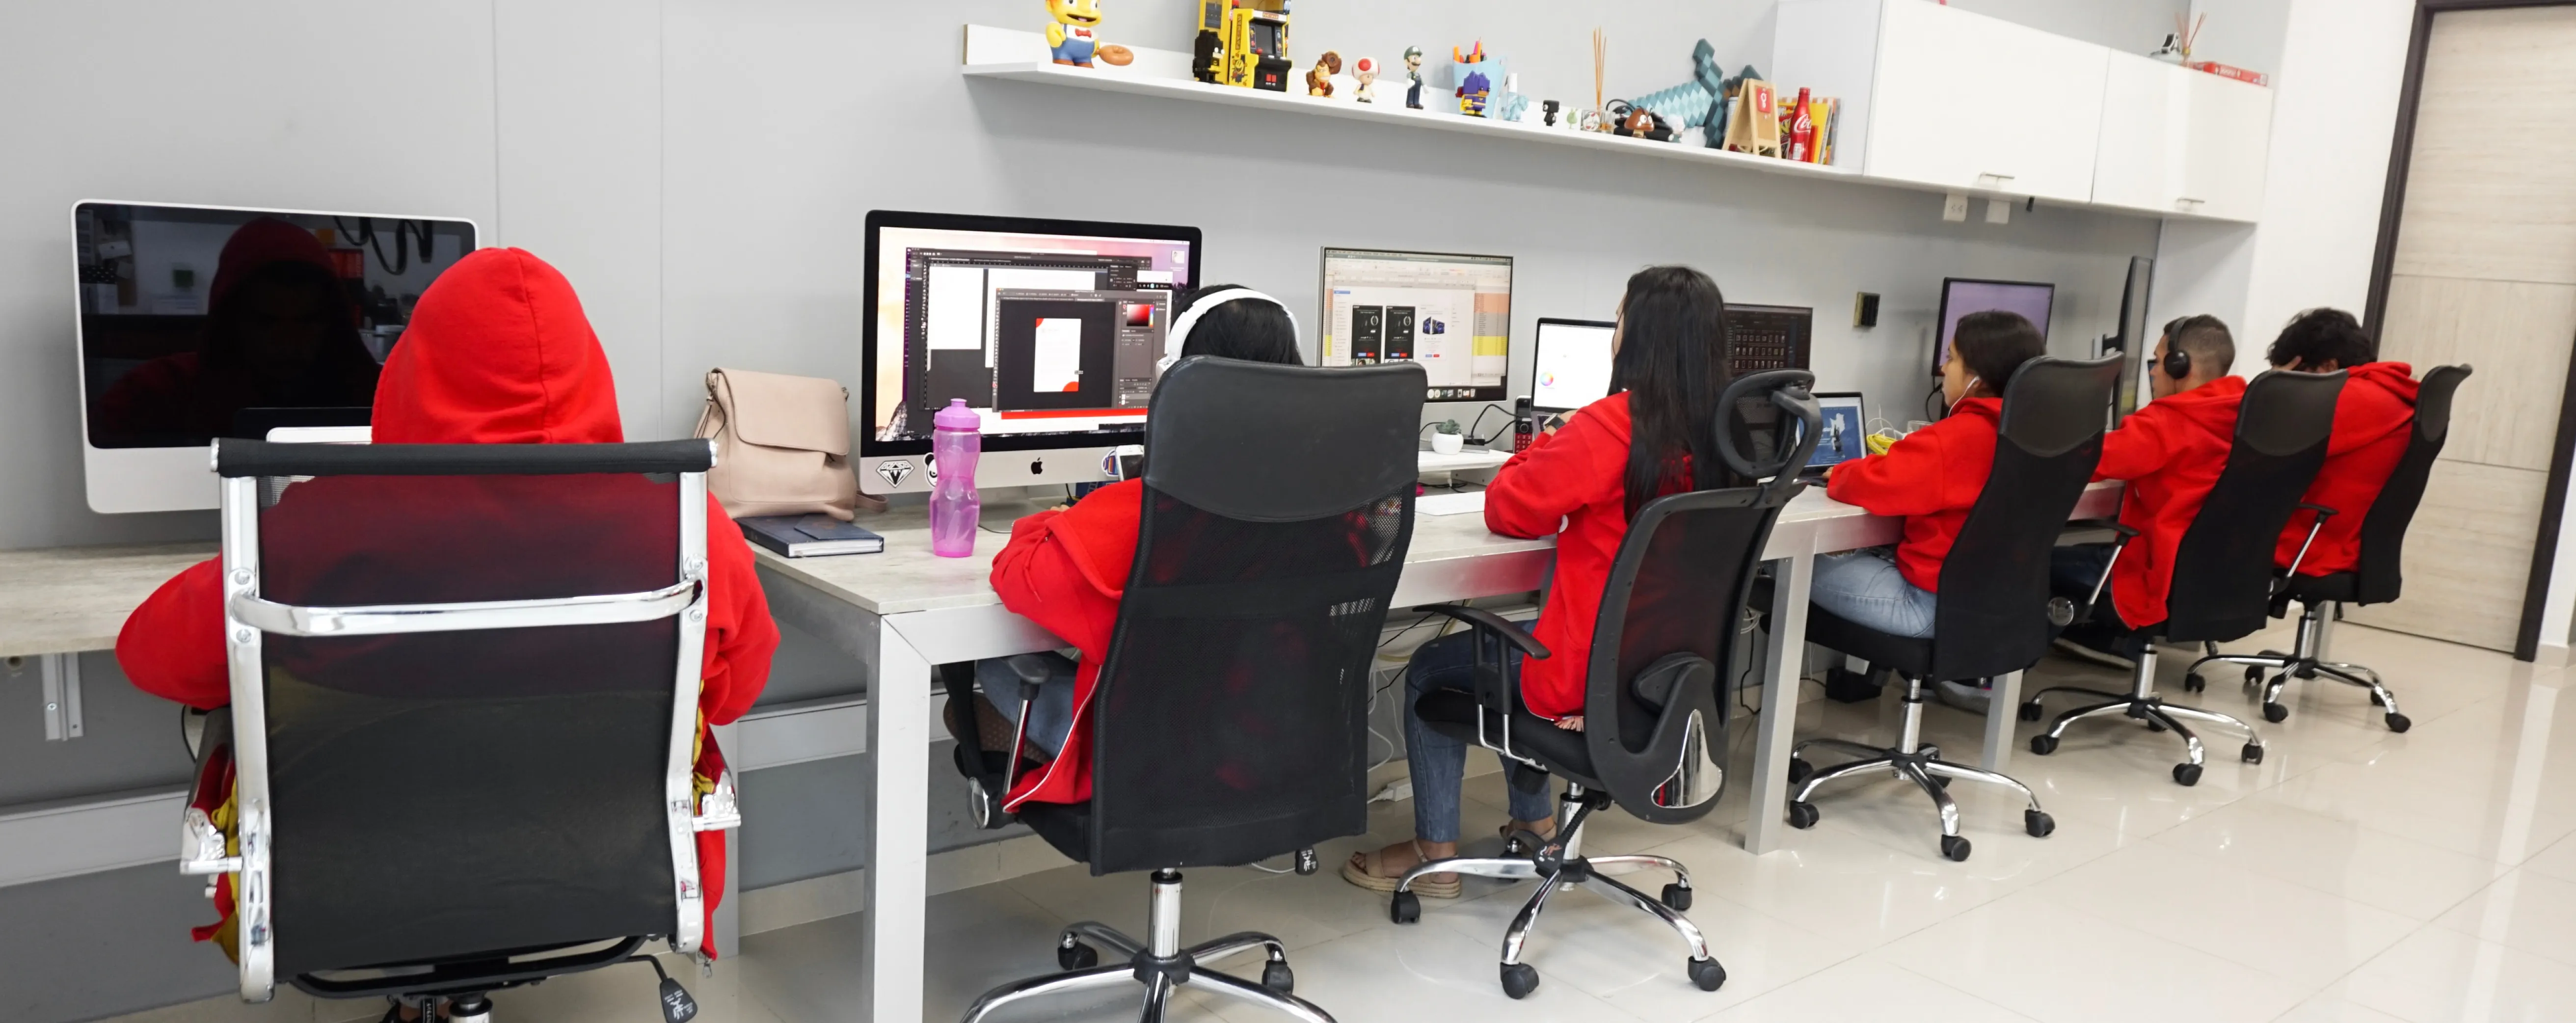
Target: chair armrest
<point x="1496" y="624"/>
<point x="2126" y="533"/>
<point x="203" y="847"/>
<point x="720" y="810"/>
<point x="2282" y="584"/>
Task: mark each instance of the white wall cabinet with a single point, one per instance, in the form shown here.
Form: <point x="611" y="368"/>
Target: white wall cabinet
<point x="2179" y="141"/>
<point x="1934" y="95"/>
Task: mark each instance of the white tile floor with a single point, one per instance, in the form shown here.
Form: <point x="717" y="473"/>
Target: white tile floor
<point x="2354" y="876"/>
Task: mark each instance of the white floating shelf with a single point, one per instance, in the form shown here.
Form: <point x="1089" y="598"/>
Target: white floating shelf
<point x="1017" y="56"/>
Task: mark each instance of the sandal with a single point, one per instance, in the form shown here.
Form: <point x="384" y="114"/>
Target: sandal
<point x="1368" y="870"/>
<point x="1507" y="832"/>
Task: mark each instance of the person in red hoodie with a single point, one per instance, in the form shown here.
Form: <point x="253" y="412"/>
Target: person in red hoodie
<point x="498" y="352"/>
<point x="2171" y="453"/>
<point x="1932" y="478"/>
<point x="1581" y="484"/>
<point x="1066" y="568"/>
<point x="2374" y="421"/>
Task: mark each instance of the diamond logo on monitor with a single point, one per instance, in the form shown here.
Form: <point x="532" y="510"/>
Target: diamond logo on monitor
<point x="894" y="471"/>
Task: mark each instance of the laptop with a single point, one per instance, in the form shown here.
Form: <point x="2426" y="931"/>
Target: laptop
<point x="1845" y="428"/>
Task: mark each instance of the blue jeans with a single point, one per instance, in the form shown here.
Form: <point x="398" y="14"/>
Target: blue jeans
<point x="1050" y="715"/>
<point x="1864" y="588"/>
<point x="1439" y="763"/>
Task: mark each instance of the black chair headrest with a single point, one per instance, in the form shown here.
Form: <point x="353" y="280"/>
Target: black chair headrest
<point x="2433" y="400"/>
<point x="1246" y="439"/>
<point x="2052" y="405"/>
<point x="1789" y="390"/>
<point x="2286" y="412"/>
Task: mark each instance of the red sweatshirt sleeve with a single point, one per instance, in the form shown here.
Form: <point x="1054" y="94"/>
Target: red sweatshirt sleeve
<point x="1907" y="480"/>
<point x="173" y="646"/>
<point x="1040" y="577"/>
<point x="1581" y="464"/>
<point x="2137" y="448"/>
<point x="741" y="637"/>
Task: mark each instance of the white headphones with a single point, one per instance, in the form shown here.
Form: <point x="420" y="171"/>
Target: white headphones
<point x="1174" y="338"/>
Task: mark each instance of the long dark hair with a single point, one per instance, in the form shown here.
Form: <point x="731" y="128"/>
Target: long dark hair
<point x="1252" y="330"/>
<point x="1672" y="361"/>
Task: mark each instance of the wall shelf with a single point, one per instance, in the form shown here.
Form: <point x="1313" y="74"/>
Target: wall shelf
<point x="1017" y="56"/>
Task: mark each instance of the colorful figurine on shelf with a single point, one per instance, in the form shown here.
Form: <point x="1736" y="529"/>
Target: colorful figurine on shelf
<point x="1364" y="71"/>
<point x="1475" y="84"/>
<point x="1413" y="77"/>
<point x="1319" y="82"/>
<point x="1698" y="103"/>
<point x="1508" y="104"/>
<point x="1073" y="37"/>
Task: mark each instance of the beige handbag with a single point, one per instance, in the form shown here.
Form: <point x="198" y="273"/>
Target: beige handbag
<point x="782" y="445"/>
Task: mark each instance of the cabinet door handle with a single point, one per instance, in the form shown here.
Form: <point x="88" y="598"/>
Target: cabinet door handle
<point x="2187" y="201"/>
<point x="1998" y="178"/>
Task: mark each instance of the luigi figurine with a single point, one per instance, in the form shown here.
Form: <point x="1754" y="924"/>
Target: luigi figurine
<point x="1413" y="75"/>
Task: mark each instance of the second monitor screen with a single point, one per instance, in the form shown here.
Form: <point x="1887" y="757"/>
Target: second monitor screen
<point x="1451" y="314"/>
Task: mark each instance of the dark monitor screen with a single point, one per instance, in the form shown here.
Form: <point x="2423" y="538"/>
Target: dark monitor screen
<point x="198" y="322"/>
<point x="2135" y="343"/>
<point x="1961" y="296"/>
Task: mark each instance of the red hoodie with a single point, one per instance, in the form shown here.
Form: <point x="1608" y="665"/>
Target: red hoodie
<point x="2171" y="452"/>
<point x="498" y="352"/>
<point x="1066" y="571"/>
<point x="1932" y="477"/>
<point x="2374" y="421"/>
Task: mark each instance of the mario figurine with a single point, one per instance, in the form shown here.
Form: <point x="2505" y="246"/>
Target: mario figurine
<point x="1074" y="36"/>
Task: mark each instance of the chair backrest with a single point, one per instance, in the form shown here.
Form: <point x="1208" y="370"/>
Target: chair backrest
<point x="2222" y="577"/>
<point x="1993" y="614"/>
<point x="2380" y="575"/>
<point x="464" y="687"/>
<point x="1230" y="719"/>
<point x="1655" y="720"/>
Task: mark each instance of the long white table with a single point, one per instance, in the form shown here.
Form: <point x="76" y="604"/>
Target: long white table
<point x="905" y="611"/>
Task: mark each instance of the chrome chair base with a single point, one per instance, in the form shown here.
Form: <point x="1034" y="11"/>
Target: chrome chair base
<point x="1912" y="761"/>
<point x="1160" y="964"/>
<point x="2303" y="662"/>
<point x="2142" y="703"/>
<point x="1559" y="865"/>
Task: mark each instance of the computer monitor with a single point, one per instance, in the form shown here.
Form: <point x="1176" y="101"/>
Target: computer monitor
<point x="1840" y="435"/>
<point x="199" y="322"/>
<point x="1048" y="329"/>
<point x="1961" y="296"/>
<point x="1450" y="313"/>
<point x="2135" y="341"/>
<point x="1570" y="363"/>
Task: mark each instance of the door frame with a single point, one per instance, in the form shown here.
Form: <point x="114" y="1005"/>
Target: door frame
<point x="2392" y="213"/>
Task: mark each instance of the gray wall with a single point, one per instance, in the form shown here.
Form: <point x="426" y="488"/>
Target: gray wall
<point x="701" y="169"/>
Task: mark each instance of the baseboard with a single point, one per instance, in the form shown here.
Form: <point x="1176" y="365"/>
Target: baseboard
<point x="821" y="898"/>
<point x="2552" y="656"/>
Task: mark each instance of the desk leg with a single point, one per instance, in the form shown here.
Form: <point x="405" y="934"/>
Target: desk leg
<point x="899" y="829"/>
<point x="1776" y="728"/>
<point x="2003" y="708"/>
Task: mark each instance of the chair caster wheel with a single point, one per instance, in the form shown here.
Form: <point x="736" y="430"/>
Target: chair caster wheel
<point x="2038" y="823"/>
<point x="2275" y="713"/>
<point x="2399" y="722"/>
<point x="1707" y="974"/>
<point x="2253" y="677"/>
<point x="1677" y="896"/>
<point x="1803" y="815"/>
<point x="1954" y="848"/>
<point x="1071" y="954"/>
<point x="2252" y="753"/>
<point x="1406" y="908"/>
<point x="1799" y="770"/>
<point x="2043" y="744"/>
<point x="2030" y="710"/>
<point x="1519" y="979"/>
<point x="2186" y="774"/>
<point x="2193" y="683"/>
<point x="1278" y="977"/>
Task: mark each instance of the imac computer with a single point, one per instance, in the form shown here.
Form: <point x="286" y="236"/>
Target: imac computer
<point x="1452" y="314"/>
<point x="199" y="322"/>
<point x="1961" y="296"/>
<point x="1048" y="329"/>
<point x="1570" y="364"/>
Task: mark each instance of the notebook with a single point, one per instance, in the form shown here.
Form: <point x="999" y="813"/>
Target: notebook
<point x="805" y="536"/>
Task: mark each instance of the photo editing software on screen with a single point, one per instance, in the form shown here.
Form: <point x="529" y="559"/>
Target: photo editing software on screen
<point x="1038" y="333"/>
<point x="1451" y="314"/>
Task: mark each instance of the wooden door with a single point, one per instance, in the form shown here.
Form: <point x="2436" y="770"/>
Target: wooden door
<point x="2484" y="272"/>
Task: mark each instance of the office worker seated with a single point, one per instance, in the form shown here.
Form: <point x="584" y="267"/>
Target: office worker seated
<point x="1066" y="568"/>
<point x="1932" y="478"/>
<point x="2374" y="418"/>
<point x="498" y="352"/>
<point x="2171" y="453"/>
<point x="1611" y="457"/>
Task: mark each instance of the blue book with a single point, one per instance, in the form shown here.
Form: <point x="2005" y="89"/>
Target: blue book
<point x="805" y="536"/>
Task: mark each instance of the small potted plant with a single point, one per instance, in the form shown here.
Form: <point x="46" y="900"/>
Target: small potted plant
<point x="1447" y="437"/>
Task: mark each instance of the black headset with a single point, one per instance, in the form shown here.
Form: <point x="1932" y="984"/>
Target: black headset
<point x="2177" y="363"/>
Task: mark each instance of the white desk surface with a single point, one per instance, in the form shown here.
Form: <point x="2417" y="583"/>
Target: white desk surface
<point x="59" y="600"/>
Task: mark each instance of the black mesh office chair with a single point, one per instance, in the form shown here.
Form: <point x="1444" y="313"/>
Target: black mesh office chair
<point x="2375" y="580"/>
<point x="2222" y="576"/>
<point x="1655" y="736"/>
<point x="449" y="782"/>
<point x="1993" y="616"/>
<point x="1229" y="724"/>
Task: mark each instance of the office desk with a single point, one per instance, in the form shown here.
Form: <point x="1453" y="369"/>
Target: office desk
<point x="63" y="600"/>
<point x="904" y="611"/>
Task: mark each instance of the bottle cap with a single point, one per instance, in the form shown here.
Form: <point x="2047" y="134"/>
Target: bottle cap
<point x="957" y="417"/>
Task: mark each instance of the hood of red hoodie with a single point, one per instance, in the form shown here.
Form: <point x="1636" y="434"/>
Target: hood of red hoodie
<point x="498" y="352"/>
<point x="2211" y="406"/>
<point x="2396" y="378"/>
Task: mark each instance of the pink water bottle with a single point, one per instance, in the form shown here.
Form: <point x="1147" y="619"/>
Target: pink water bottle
<point x="956" y="439"/>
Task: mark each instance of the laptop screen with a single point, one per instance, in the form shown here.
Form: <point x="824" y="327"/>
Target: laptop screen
<point x="1842" y="431"/>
